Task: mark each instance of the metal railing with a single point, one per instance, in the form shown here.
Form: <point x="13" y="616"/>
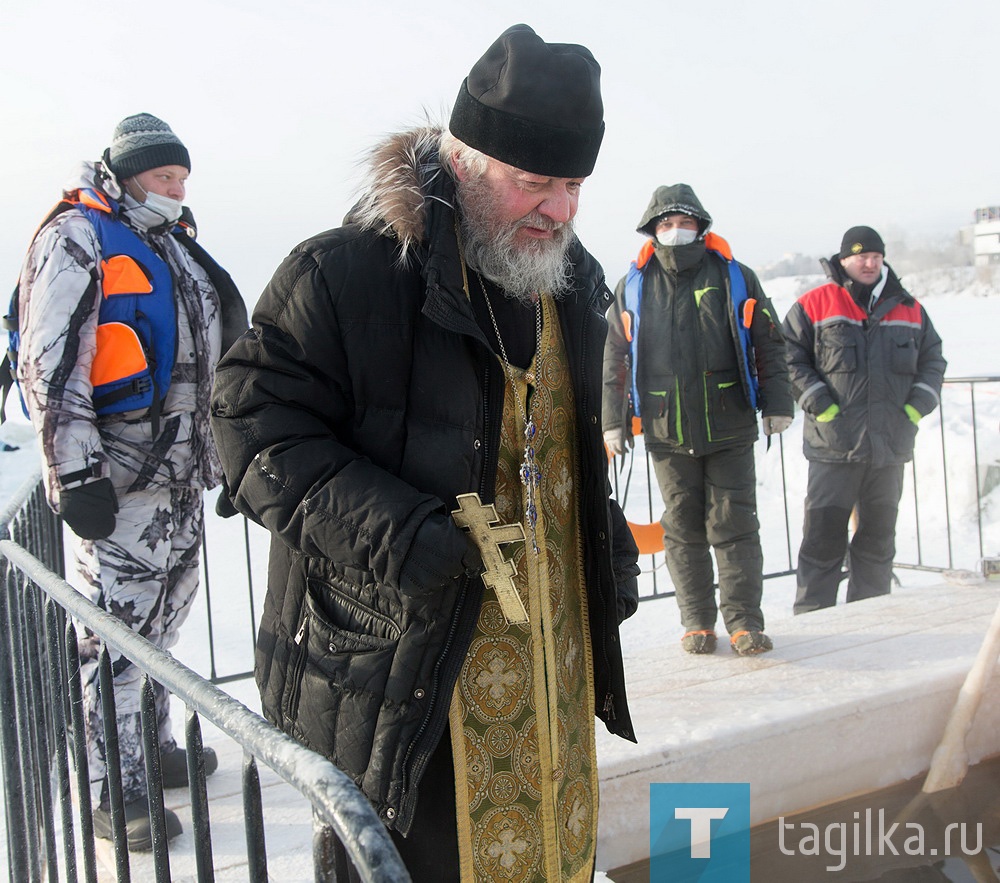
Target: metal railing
<point x="955" y="451"/>
<point x="957" y="456"/>
<point x="955" y="466"/>
<point x="47" y="804"/>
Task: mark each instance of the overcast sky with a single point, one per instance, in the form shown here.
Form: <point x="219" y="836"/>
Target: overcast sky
<point x="792" y="120"/>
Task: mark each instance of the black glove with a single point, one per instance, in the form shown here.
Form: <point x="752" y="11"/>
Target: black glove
<point x="440" y="552"/>
<point x="627" y="598"/>
<point x="224" y="507"/>
<point x="90" y="509"/>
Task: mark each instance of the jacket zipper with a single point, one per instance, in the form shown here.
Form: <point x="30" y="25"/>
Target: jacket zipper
<point x="300" y="665"/>
<point x="418" y="762"/>
<point x="609" y="698"/>
<point x="154" y="405"/>
<point x="419" y="759"/>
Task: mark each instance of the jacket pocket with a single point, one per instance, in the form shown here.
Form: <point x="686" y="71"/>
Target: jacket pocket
<point x="659" y="408"/>
<point x="835" y="436"/>
<point x="122" y="274"/>
<point x="340" y="663"/>
<point x="727" y="411"/>
<point x="903" y="355"/>
<point x="836" y="350"/>
<point x="120" y="354"/>
<point x="902" y="434"/>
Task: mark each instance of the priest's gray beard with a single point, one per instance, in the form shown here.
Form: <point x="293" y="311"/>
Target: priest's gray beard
<point x="490" y="246"/>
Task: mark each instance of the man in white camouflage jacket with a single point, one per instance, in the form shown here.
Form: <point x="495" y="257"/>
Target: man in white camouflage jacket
<point x="122" y="318"/>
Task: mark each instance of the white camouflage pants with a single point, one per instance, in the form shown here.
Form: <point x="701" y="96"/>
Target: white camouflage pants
<point x="146" y="574"/>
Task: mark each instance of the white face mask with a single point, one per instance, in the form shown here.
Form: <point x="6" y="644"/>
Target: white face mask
<point x="676" y="236"/>
<point x="154" y="210"/>
<point x="168" y="209"/>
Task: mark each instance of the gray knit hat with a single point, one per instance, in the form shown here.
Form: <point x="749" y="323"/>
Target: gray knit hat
<point x="142" y="142"/>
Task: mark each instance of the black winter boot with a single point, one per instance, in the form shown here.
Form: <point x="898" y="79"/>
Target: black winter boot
<point x="174" y="769"/>
<point x="138" y="828"/>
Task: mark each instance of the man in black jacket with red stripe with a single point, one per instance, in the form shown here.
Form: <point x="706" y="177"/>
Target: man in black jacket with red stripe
<point x="866" y="366"/>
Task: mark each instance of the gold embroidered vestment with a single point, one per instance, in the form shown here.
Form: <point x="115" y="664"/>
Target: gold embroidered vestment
<point x="521" y="715"/>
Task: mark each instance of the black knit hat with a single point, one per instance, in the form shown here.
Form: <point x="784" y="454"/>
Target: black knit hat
<point x="142" y="142"/>
<point x="858" y="240"/>
<point x="533" y="105"/>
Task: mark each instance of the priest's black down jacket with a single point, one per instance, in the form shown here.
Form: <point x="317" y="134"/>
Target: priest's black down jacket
<point x="364" y="398"/>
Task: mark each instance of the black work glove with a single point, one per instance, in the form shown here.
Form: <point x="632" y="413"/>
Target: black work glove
<point x="224" y="507"/>
<point x="440" y="552"/>
<point x="90" y="509"/>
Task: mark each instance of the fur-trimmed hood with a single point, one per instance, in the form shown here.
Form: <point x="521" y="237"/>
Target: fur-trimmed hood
<point x="404" y="172"/>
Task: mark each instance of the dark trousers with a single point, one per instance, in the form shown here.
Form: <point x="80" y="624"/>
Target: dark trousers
<point x="710" y="503"/>
<point x="834" y="489"/>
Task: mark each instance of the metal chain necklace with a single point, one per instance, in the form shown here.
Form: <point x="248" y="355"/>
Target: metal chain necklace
<point x="531" y="474"/>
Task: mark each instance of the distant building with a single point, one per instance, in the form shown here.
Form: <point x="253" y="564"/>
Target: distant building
<point x="986" y="236"/>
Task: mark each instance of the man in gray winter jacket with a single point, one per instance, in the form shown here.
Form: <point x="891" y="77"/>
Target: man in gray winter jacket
<point x="694" y="349"/>
<point x="122" y="317"/>
<point x="866" y="366"/>
<point x="445" y="342"/>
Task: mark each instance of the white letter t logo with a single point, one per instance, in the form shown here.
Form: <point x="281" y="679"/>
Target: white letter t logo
<point x="701" y="826"/>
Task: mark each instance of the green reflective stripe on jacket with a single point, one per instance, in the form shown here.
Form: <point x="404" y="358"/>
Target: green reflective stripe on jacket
<point x="677" y="411"/>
